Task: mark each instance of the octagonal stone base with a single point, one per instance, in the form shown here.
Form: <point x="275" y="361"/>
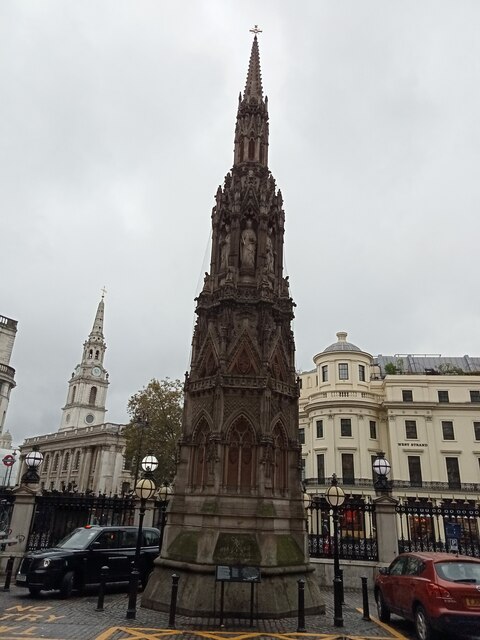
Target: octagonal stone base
<point x="276" y="596"/>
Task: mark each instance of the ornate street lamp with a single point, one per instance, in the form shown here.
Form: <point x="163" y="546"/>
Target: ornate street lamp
<point x="33" y="460"/>
<point x="381" y="466"/>
<point x="335" y="497"/>
<point x="164" y="494"/>
<point x="145" y="488"/>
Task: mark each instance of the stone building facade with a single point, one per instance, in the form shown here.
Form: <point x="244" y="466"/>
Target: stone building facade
<point x="8" y="331"/>
<point x="422" y="411"/>
<point x="86" y="453"/>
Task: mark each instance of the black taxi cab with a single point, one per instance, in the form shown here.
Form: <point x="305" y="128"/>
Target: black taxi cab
<point x="77" y="560"/>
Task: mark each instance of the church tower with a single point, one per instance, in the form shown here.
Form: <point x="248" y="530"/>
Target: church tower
<point x="87" y="388"/>
<point x="237" y="495"/>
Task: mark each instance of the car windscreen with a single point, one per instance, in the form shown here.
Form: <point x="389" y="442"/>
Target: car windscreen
<point x="78" y="539"/>
<point x="459" y="571"/>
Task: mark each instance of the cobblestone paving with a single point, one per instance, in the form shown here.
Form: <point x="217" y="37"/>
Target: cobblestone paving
<point x="22" y="616"/>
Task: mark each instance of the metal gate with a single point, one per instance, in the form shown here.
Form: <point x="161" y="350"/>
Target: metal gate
<point x="424" y="526"/>
<point x="57" y="515"/>
<point x="357" y="532"/>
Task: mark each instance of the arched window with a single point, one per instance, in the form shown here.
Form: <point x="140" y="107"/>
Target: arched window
<point x="55" y="462"/>
<point x="74" y="393"/>
<point x="46" y="463"/>
<point x="93" y="395"/>
<point x="240" y="454"/>
<point x="251" y="149"/>
<point x="280" y="455"/>
<point x="242" y="149"/>
<point x="66" y="460"/>
<point x="200" y="466"/>
<point x="90" y="353"/>
<point x="97" y="354"/>
<point x="76" y="461"/>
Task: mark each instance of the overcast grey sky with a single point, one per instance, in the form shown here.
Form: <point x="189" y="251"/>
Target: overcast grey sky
<point x="116" y="127"/>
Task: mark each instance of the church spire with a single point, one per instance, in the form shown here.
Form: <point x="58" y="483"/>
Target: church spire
<point x="87" y="388"/>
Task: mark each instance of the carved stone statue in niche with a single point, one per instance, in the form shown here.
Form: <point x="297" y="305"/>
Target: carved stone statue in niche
<point x="248" y="247"/>
<point x="269" y="254"/>
<point x="225" y="247"/>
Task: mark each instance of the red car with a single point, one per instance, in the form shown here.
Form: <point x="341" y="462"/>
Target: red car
<point x="437" y="591"/>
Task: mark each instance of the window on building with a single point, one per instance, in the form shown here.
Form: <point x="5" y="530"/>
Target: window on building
<point x="415" y="471"/>
<point x="407" y="395"/>
<point x="343" y="371"/>
<point x="348" y="471"/>
<point x="302" y="471"/>
<point x="319" y="424"/>
<point x="373" y="429"/>
<point x="76" y="461"/>
<point x="55" y="462"/>
<point x="411" y="429"/>
<point x="74" y="393"/>
<point x="321" y="468"/>
<point x="345" y="427"/>
<point x="447" y="430"/>
<point x="325" y="373"/>
<point x="93" y="395"/>
<point x="453" y="473"/>
<point x="46" y="463"/>
<point x="66" y="460"/>
<point x="443" y="396"/>
<point x="474" y="395"/>
<point x="372" y="460"/>
<point x="476" y="430"/>
<point x="361" y="372"/>
<point x="301" y="435"/>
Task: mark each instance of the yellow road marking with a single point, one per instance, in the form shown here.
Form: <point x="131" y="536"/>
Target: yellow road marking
<point x="154" y="634"/>
<point x="394" y="632"/>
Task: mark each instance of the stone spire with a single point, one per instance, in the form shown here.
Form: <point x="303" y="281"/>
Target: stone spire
<point x="238" y="496"/>
<point x="87" y="388"/>
<point x="251" y="131"/>
<point x="253" y="86"/>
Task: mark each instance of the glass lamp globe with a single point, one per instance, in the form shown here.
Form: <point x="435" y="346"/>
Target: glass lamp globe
<point x="34" y="459"/>
<point x="335" y="495"/>
<point x="381" y="465"/>
<point x="145" y="488"/>
<point x="149" y="463"/>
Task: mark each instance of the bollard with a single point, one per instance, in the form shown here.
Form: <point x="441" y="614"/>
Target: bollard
<point x="8" y="573"/>
<point x="173" y="602"/>
<point x="366" y="608"/>
<point x="101" y="589"/>
<point x="337" y="602"/>
<point x="301" y="606"/>
<point x="132" y="594"/>
<point x="342" y="590"/>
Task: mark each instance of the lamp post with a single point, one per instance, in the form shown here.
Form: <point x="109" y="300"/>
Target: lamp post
<point x="381" y="466"/>
<point x="336" y="497"/>
<point x="164" y="495"/>
<point x="33" y="460"/>
<point x="145" y="488"/>
<point x="142" y="424"/>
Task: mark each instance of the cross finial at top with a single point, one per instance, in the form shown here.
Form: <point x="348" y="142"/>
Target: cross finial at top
<point x="104" y="291"/>
<point x="255" y="30"/>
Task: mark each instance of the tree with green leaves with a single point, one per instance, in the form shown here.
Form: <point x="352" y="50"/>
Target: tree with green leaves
<point x="155" y="426"/>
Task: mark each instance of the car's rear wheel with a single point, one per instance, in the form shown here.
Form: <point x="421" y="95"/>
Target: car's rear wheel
<point x="66" y="585"/>
<point x="382" y="609"/>
<point x="423" y="628"/>
<point x="34" y="591"/>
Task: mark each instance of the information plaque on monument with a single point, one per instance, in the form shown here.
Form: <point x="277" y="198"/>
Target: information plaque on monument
<point x="226" y="573"/>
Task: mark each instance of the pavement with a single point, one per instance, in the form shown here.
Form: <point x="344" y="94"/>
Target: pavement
<point x="46" y="616"/>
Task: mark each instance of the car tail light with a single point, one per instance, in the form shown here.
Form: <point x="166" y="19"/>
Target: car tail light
<point x="436" y="591"/>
